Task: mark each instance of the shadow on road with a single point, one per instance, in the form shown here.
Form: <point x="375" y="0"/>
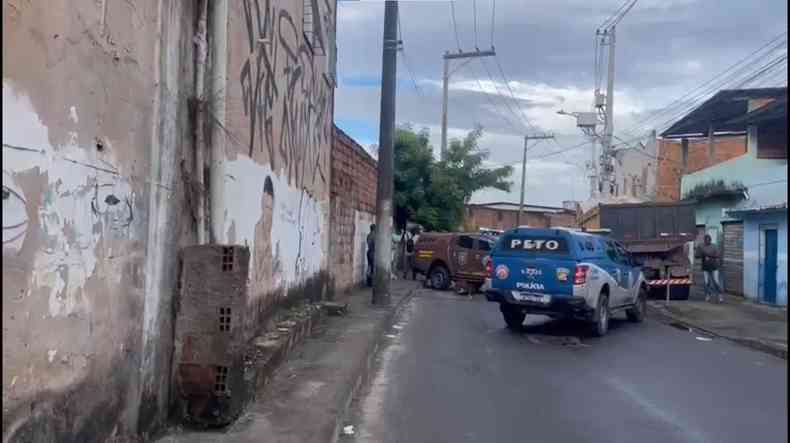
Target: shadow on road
<point x="564" y="332"/>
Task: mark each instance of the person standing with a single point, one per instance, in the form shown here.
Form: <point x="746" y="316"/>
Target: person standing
<point x="410" y="242"/>
<point x="710" y="267"/>
<point x="371" y="241"/>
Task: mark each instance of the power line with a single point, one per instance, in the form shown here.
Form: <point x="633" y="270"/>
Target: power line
<point x="513" y="95"/>
<point x="697" y="102"/>
<point x="406" y="63"/>
<point x="766" y="68"/>
<point x="739" y="64"/>
<point x="756" y="73"/>
<point x="494" y="105"/>
<point x="504" y="100"/>
<point x="455" y="24"/>
<point x="700" y="90"/>
<point x="561" y="151"/>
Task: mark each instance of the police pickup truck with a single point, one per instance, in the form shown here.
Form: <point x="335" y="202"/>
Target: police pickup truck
<point x="564" y="273"/>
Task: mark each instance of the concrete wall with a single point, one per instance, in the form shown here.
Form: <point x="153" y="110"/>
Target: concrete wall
<point x="637" y="171"/>
<point x="354" y="178"/>
<point x="94" y="137"/>
<point x="99" y="194"/>
<point x="277" y="139"/>
<point x="753" y="255"/>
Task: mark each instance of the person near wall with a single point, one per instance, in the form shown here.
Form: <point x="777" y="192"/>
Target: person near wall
<point x="371" y="241"/>
<point x="709" y="253"/>
<point x="411" y="239"/>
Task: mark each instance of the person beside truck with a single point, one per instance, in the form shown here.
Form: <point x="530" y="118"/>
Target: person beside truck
<point x="709" y="253"/>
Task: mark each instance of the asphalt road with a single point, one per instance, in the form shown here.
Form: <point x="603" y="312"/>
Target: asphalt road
<point x="451" y="372"/>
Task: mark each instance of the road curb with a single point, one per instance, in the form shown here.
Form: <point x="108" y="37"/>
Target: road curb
<point x="363" y="373"/>
<point x="769" y="348"/>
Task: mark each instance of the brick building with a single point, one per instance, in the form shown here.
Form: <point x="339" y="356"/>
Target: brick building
<point x="503" y="215"/>
<point x="353" y="209"/>
<point x="678" y="157"/>
<point x="707" y="136"/>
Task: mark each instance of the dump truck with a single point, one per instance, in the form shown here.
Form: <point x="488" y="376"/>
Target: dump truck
<point x="661" y="237"/>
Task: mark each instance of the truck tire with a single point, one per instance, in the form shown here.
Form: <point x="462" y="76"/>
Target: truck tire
<point x="600" y="324"/>
<point x="638" y="312"/>
<point x="439" y="277"/>
<point x="514" y="316"/>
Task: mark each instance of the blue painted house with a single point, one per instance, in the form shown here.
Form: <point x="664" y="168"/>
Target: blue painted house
<point x="742" y="202"/>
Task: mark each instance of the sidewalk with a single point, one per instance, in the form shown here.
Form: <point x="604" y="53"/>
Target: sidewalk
<point x="310" y="392"/>
<point x="757" y="326"/>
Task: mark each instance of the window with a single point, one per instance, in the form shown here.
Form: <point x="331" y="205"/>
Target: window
<point x="221" y="381"/>
<point x="224" y="319"/>
<point x="685" y="151"/>
<point x="227" y="259"/>
<point x="772" y="141"/>
<point x="466" y="242"/>
<point x="611" y="252"/>
<point x="623" y="256"/>
<point x="484" y="245"/>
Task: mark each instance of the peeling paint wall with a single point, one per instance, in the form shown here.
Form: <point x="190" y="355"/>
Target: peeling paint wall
<point x="99" y="193"/>
<point x="278" y="132"/>
<point x="94" y="101"/>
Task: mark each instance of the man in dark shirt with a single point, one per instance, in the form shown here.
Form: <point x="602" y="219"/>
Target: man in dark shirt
<point x="710" y="267"/>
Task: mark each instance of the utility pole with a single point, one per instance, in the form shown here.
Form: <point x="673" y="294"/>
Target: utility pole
<point x="382" y="271"/>
<point x="527" y="138"/>
<point x="445" y="85"/>
<point x="606" y="155"/>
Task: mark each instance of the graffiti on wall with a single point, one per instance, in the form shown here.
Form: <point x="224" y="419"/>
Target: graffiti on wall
<point x="287" y="108"/>
<point x="281" y="82"/>
<point x="71" y="197"/>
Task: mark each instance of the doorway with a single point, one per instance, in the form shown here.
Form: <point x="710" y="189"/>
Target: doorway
<point x="769" y="263"/>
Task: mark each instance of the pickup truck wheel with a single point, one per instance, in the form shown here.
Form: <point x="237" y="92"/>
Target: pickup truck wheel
<point x="601" y="317"/>
<point x="637" y="313"/>
<point x="439" y="278"/>
<point x="514" y="317"/>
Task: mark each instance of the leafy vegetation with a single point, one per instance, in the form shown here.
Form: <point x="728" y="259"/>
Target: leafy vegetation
<point x="714" y="189"/>
<point x="433" y="192"/>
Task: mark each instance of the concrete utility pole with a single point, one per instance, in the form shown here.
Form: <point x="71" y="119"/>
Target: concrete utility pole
<point x="527" y="138"/>
<point x="383" y="259"/>
<point x="606" y="156"/>
<point x="446" y="80"/>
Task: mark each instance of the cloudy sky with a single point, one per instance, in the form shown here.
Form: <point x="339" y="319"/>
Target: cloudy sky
<point x="665" y="48"/>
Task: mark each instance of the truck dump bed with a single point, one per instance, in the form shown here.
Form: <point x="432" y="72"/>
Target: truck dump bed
<point x="645" y="222"/>
<point x="661" y="235"/>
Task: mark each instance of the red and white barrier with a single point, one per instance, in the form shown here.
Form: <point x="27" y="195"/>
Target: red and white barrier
<point x="674" y="281"/>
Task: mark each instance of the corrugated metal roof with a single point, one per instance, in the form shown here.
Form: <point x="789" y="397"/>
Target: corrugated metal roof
<point x="760" y="209"/>
<point x="722" y="111"/>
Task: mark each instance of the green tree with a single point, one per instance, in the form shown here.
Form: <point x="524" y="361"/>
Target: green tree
<point x="433" y="193"/>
